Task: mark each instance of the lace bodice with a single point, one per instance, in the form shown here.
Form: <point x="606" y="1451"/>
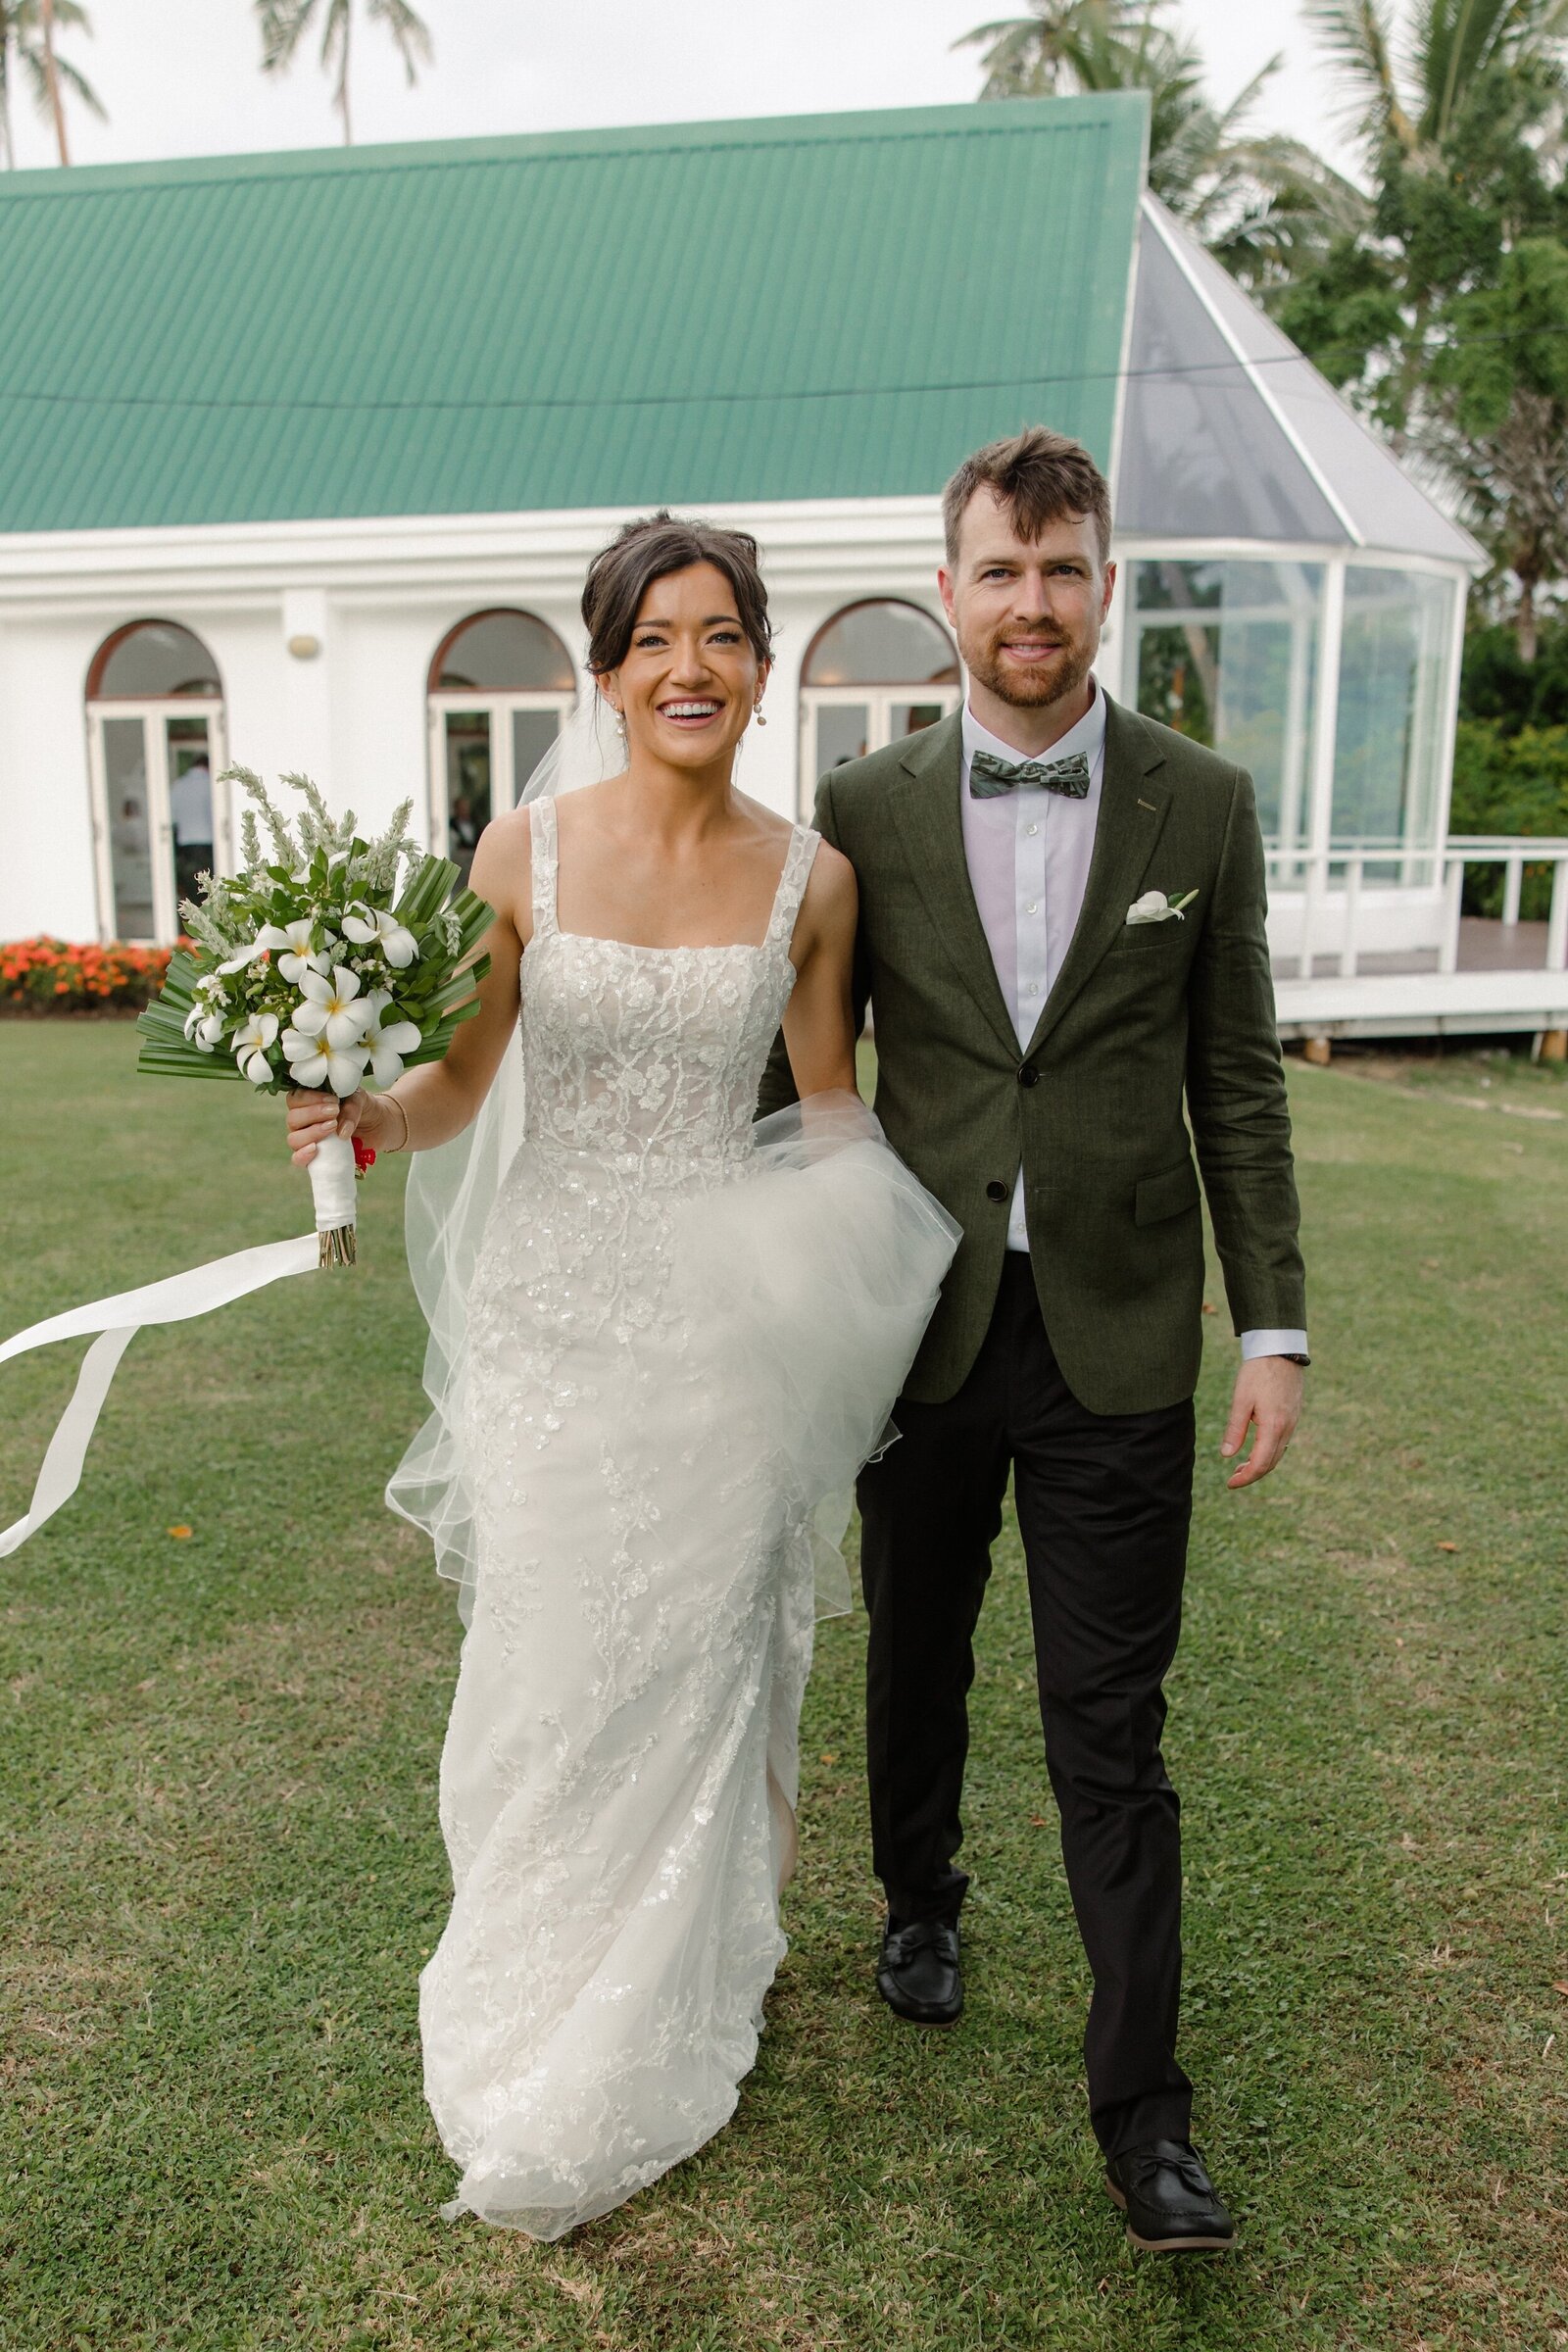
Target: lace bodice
<point x="650" y="1058"/>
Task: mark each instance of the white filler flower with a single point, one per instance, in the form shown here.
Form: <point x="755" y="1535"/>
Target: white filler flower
<point x="387" y="1043"/>
<point x="374" y="926"/>
<point x="250" y="1042"/>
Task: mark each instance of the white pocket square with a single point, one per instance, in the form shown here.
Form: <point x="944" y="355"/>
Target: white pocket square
<point x="1156" y="907"/>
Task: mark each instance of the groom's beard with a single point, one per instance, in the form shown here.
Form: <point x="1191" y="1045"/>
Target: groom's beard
<point x="1028" y="689"/>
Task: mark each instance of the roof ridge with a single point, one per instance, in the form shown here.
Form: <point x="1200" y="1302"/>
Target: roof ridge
<point x="1012" y="116"/>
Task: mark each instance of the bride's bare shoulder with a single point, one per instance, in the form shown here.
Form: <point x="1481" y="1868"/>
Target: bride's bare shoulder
<point x="503" y="867"/>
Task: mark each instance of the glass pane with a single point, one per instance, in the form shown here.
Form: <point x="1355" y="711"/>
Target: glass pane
<point x="504" y="652"/>
<point x="532" y="734"/>
<point x="1178" y="678"/>
<point x="131" y="851"/>
<point x="1392" y="700"/>
<point x="468" y="735"/>
<point x="155" y="659"/>
<point x="882" y="645"/>
<point x="190" y="801"/>
<point x="1203" y="456"/>
<point x="1227" y="654"/>
<point x="909" y="717"/>
<point x="842" y="732"/>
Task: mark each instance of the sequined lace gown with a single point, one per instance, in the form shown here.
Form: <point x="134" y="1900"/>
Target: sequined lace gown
<point x="685" y="1332"/>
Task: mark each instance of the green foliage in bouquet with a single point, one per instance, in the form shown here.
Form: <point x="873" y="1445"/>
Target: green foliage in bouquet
<point x="328" y="959"/>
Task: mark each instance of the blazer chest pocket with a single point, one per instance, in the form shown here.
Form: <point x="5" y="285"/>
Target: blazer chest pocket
<point x="1166" y="1194"/>
<point x="1146" y="939"/>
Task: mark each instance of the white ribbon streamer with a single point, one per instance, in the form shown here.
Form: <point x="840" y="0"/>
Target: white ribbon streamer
<point x="174" y="1299"/>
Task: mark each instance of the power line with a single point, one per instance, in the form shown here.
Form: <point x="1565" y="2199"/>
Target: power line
<point x="1232" y="365"/>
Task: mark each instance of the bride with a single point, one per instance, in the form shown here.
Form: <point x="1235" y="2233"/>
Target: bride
<point x="662" y="1339"/>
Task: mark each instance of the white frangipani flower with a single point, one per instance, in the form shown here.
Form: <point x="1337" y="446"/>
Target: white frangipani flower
<point x="292" y="944"/>
<point x="325" y="1044"/>
<point x="203" y="1028"/>
<point x="250" y="1042"/>
<point x="388" y="1042"/>
<point x="373" y="925"/>
<point x="249" y="952"/>
<point x="313" y="1061"/>
<point x="333" y="1008"/>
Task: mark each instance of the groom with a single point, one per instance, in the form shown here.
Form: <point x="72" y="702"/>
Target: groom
<point x="1062" y="940"/>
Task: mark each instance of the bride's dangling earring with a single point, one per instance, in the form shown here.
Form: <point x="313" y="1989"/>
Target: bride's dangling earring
<point x="757" y="714"/>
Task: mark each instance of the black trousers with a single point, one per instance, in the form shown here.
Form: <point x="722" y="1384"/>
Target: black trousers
<point x="1103" y="1508"/>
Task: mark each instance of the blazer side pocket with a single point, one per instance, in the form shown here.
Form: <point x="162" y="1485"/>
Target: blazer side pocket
<point x="1166" y="1194"/>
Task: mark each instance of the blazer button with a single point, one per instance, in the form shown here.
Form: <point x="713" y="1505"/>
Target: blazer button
<point x="995" y="1190"/>
<point x="1027" y="1076"/>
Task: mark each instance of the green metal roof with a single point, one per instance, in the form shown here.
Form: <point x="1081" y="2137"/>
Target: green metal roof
<point x="824" y="307"/>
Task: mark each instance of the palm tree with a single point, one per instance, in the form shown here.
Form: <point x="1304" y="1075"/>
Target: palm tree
<point x="1258" y="200"/>
<point x="284" y="24"/>
<point x="1411" y="89"/>
<point x="27" y="47"/>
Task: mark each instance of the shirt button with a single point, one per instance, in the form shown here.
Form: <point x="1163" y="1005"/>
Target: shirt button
<point x="1031" y="830"/>
<point x="1032" y="908"/>
<point x="995" y="1190"/>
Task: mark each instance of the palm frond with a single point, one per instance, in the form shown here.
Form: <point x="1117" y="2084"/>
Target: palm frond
<point x="411" y="36"/>
<point x="1356" y="37"/>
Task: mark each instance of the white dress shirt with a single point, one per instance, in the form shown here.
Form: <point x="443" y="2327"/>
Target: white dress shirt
<point x="1028" y="852"/>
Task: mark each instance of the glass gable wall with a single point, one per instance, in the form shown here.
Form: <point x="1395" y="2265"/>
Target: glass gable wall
<point x="1291" y="596"/>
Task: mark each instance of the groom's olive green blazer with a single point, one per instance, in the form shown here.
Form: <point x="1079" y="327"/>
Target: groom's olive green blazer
<point x="1141" y="1019"/>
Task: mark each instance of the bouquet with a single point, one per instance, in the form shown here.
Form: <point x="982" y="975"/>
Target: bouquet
<point x="325" y="960"/>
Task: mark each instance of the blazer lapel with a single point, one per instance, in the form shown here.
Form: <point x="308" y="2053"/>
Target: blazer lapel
<point x="929" y="817"/>
<point x="1133" y="805"/>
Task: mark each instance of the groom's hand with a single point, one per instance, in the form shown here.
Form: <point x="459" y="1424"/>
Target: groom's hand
<point x="1267" y="1400"/>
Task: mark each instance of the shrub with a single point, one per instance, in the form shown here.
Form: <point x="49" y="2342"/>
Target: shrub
<point x="45" y="975"/>
<point x="1496" y="684"/>
<point x="1509" y="783"/>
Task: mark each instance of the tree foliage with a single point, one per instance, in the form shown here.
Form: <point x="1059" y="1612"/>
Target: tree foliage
<point x="1260" y="201"/>
<point x="1449" y="322"/>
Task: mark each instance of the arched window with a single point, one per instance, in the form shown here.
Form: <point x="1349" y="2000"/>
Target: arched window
<point x="874" y="672"/>
<point x="155" y="727"/>
<point x="500" y="685"/>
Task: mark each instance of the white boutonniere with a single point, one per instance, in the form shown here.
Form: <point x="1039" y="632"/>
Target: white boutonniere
<point x="1156" y="907"/>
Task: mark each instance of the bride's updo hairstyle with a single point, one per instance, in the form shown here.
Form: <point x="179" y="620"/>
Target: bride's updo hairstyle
<point x="641" y="553"/>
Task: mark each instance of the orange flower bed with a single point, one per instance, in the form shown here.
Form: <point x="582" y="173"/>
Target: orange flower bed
<point x="46" y="975"/>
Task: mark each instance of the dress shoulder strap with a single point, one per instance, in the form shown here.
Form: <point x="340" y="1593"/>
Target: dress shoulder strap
<point x="798" y="862"/>
<point x="545" y="858"/>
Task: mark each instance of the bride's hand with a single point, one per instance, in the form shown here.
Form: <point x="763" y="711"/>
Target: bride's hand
<point x="315" y="1115"/>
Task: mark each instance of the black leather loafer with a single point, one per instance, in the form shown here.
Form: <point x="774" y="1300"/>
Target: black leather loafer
<point x="919" y="1976"/>
<point x="1169" y="2200"/>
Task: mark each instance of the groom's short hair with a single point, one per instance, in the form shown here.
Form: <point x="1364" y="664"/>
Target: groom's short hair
<point x="1039" y="477"/>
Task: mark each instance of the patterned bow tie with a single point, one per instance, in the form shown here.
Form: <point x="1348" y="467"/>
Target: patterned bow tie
<point x="988" y="776"/>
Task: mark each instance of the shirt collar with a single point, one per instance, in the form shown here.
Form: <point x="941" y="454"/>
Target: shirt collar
<point x="1088" y="736"/>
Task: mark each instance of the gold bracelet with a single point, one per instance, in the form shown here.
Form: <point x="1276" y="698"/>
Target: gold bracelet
<point x="403" y="1115"/>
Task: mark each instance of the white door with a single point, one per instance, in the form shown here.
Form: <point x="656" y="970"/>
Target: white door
<point x="159" y="814"/>
<point x="844" y="722"/>
<point x="483" y="748"/>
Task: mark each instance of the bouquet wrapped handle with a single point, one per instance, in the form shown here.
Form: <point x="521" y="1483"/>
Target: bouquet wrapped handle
<point x="332" y="1181"/>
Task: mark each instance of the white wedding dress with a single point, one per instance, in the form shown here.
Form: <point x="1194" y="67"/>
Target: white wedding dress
<point x="685" y="1331"/>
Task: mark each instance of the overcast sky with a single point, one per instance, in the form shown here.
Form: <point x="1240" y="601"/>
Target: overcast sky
<point x="183" y="76"/>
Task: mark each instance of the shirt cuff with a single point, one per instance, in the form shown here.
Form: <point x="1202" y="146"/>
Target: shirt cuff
<point x="1273" y="1342"/>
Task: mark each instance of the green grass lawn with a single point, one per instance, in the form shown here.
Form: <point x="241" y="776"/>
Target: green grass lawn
<point x="222" y="1868"/>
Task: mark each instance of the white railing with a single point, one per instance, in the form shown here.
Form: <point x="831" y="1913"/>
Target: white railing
<point x="1315" y="872"/>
